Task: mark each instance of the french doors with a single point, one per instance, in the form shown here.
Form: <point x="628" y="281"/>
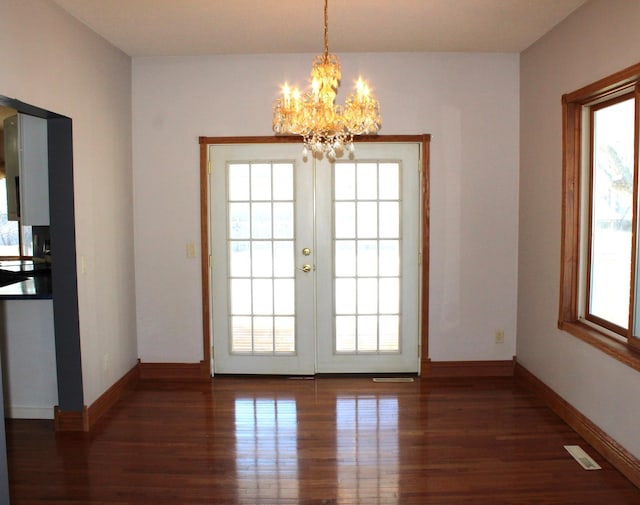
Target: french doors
<point x="315" y="265"/>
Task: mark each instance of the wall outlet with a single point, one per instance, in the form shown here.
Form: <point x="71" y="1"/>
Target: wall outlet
<point x="500" y="336"/>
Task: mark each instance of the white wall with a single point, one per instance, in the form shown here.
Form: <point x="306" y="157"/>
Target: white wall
<point x="50" y="60"/>
<point x="596" y="41"/>
<point x="469" y="102"/>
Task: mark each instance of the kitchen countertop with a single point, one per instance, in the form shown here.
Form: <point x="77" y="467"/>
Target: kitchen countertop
<point x="25" y="280"/>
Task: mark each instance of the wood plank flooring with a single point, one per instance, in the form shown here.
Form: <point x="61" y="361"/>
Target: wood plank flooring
<point x="268" y="441"/>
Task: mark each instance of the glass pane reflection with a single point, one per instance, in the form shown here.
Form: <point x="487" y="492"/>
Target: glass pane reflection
<point x="266" y="450"/>
<point x="367" y="449"/>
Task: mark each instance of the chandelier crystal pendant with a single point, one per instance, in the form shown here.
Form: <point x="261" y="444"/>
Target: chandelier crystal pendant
<point x="326" y="127"/>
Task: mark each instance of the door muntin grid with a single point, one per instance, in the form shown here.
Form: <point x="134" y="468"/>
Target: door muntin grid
<point x="260" y="236"/>
<point x="367" y="257"/>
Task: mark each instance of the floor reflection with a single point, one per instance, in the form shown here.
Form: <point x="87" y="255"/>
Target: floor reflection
<point x="275" y="448"/>
<point x="367" y="449"/>
<point x="266" y="450"/>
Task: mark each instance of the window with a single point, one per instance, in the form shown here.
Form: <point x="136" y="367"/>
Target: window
<point x="15" y="240"/>
<point x="9" y="239"/>
<point x="600" y="270"/>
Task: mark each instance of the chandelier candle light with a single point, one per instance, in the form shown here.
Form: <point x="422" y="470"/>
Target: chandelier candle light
<point x="326" y="128"/>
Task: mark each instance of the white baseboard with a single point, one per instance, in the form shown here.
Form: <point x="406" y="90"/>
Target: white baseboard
<point x="17" y="412"/>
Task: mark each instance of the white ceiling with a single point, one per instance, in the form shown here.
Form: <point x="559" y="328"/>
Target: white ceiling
<point x="201" y="27"/>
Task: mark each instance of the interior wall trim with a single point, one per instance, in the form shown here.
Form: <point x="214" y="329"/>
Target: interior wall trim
<point x="85" y="419"/>
<point x="608" y="448"/>
<point x="17" y="412"/>
<point x="111" y="396"/>
<point x="70" y="420"/>
<point x="191" y="372"/>
<point x="452" y="369"/>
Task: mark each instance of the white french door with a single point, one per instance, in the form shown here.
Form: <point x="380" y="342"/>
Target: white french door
<point x="315" y="265"/>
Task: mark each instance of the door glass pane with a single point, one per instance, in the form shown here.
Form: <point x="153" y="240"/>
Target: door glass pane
<point x="367" y="297"/>
<point x="390" y="296"/>
<point x="238" y="181"/>
<point x="389" y="219"/>
<point x="367" y="333"/>
<point x="345" y="220"/>
<point x="240" y="303"/>
<point x="283" y="258"/>
<point x="239" y="220"/>
<point x="240" y="258"/>
<point x="283" y="220"/>
<point x="284" y="332"/>
<point x="389" y="257"/>
<point x="283" y="302"/>
<point x="345" y="182"/>
<point x="367" y="182"/>
<point x="345" y="296"/>
<point x="263" y="334"/>
<point x="241" y="329"/>
<point x="612" y="211"/>
<point x="261" y="220"/>
<point x="283" y="181"/>
<point x="367" y="219"/>
<point x="389" y="333"/>
<point x="367" y="259"/>
<point x="262" y="296"/>
<point x="389" y="181"/>
<point x="261" y="258"/>
<point x="345" y="333"/>
<point x="262" y="262"/>
<point x="260" y="181"/>
<point x="345" y="252"/>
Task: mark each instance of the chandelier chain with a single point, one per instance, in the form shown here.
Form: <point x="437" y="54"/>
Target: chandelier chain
<point x="326" y="30"/>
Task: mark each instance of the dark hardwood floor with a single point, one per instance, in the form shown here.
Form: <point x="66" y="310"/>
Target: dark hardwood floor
<point x="313" y="442"/>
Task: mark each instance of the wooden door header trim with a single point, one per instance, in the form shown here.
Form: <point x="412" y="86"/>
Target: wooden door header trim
<point x="295" y="139"/>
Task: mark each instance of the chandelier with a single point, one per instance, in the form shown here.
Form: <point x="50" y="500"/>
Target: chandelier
<point x="326" y="127"/>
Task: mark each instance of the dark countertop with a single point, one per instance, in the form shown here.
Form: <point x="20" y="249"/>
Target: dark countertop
<point x="25" y="280"/>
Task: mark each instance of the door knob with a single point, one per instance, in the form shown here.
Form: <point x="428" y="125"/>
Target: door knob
<point x="306" y="251"/>
<point x="305" y="268"/>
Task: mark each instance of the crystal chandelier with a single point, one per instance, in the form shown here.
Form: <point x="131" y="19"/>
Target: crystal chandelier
<point x="326" y="128"/>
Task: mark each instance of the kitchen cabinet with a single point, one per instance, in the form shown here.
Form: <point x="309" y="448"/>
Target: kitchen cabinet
<point x="27" y="344"/>
<point x="27" y="168"/>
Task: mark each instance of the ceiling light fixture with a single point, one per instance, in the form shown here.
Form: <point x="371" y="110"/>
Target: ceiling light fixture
<point x="326" y="128"/>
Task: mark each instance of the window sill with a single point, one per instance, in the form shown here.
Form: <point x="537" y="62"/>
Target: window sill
<point x="617" y="350"/>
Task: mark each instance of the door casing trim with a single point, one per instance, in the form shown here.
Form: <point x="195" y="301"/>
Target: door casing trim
<point x="205" y="252"/>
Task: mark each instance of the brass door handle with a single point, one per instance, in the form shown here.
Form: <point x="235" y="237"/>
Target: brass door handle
<point x="305" y="268"/>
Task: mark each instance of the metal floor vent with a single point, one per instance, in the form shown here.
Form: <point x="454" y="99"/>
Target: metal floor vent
<point x="582" y="457"/>
<point x="393" y="379"/>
